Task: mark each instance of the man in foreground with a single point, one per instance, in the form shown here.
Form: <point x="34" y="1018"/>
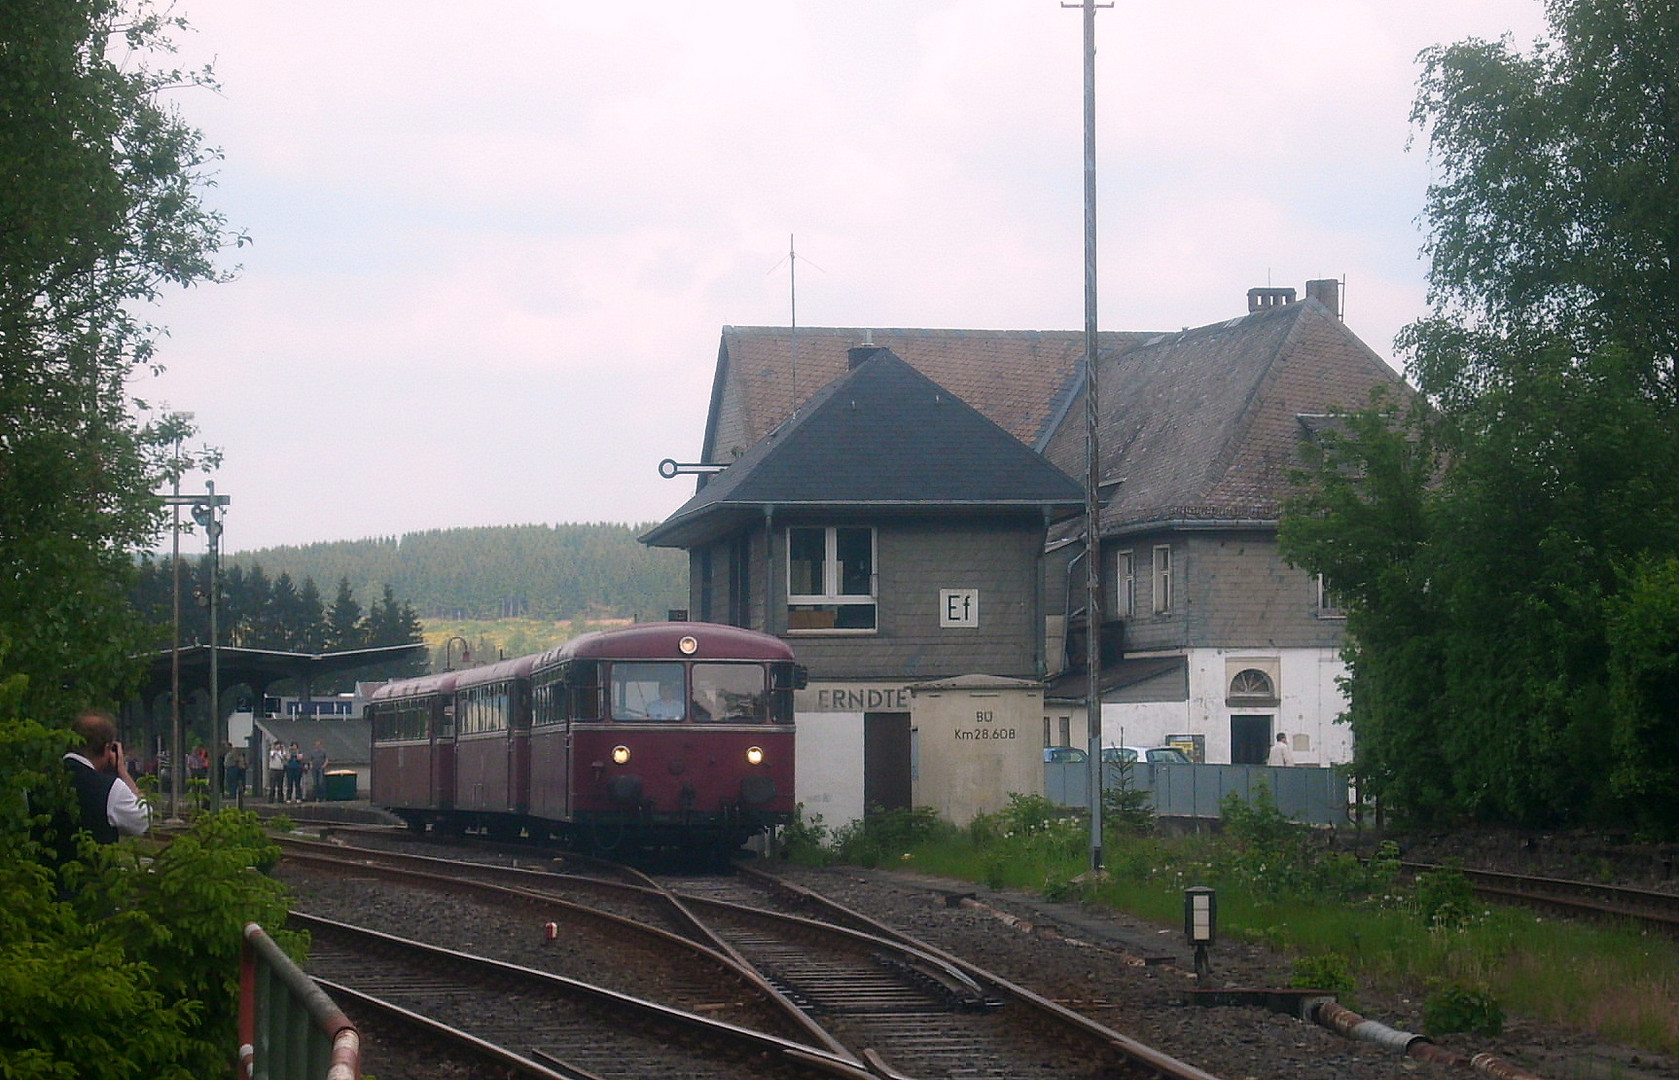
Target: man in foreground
<point x="108" y="798"/>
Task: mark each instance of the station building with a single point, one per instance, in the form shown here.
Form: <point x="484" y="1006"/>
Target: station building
<point x="899" y="505"/>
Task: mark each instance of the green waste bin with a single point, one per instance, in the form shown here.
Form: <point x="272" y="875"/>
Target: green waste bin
<point x="339" y="784"/>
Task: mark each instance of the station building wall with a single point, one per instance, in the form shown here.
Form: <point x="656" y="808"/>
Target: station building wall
<point x="1306" y="707"/>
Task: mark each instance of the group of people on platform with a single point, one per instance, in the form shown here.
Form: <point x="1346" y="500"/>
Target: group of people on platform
<point x="289" y="768"/>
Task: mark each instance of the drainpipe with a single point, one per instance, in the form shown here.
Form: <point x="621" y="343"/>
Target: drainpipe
<point x="1040" y="648"/>
<point x="769" y="567"/>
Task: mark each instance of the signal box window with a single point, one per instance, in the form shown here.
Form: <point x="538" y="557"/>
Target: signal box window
<point x="648" y="691"/>
<point x="729" y="693"/>
<point x="830" y="578"/>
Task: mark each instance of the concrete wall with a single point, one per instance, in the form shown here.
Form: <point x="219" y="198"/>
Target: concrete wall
<point x="828" y="767"/>
<point x="973" y="747"/>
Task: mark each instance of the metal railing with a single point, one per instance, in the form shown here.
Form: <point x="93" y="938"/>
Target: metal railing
<point x="1313" y="796"/>
<point x="288" y="1028"/>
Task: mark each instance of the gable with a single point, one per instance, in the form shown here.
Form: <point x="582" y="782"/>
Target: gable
<point x="883" y="437"/>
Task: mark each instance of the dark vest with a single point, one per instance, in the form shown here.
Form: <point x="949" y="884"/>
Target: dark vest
<point x="93" y="794"/>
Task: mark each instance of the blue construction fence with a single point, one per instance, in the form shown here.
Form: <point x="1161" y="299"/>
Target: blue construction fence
<point x="1311" y="796"/>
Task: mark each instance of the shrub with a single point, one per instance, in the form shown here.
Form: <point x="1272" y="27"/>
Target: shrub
<point x="1454" y="1007"/>
<point x="1326" y="971"/>
<point x="1057" y="887"/>
<point x="803" y="842"/>
<point x="1444" y="899"/>
<point x="885" y="835"/>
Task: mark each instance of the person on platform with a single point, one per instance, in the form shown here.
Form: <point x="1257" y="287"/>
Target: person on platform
<point x="317" y="770"/>
<point x="233" y="770"/>
<point x="109" y="800"/>
<point x="1280" y="753"/>
<point x="276" y="771"/>
<point x="294" y="774"/>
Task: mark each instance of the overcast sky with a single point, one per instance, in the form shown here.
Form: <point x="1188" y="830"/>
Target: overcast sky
<point x="494" y="243"/>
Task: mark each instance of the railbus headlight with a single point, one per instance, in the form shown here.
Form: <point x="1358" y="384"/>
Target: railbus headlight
<point x="620" y="755"/>
<point x="754" y="755"/>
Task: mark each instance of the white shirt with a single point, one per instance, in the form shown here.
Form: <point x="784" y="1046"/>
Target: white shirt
<point x="1280" y="754"/>
<point x="127" y="811"/>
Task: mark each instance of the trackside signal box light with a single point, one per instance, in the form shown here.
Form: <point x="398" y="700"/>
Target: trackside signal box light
<point x="1200" y="924"/>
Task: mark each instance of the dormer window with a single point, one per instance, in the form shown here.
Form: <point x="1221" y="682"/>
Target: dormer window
<point x="831" y="578"/>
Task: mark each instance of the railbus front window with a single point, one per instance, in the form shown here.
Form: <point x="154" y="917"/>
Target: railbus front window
<point x="729" y="693"/>
<point x="648" y="690"/>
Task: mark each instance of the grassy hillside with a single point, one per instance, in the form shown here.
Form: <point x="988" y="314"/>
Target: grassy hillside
<point x="494" y="639"/>
<point x="541" y="573"/>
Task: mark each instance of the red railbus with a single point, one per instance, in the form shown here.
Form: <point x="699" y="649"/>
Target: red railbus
<point x="657" y="734"/>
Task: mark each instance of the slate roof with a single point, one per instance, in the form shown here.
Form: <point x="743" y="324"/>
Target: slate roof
<point x="1201" y="425"/>
<point x="883" y="437"/>
<point x="1020" y="379"/>
<point x="1206" y="424"/>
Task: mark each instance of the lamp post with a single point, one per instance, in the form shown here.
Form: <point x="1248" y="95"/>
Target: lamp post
<point x="206" y="511"/>
<point x="449" y="651"/>
<point x="175" y="641"/>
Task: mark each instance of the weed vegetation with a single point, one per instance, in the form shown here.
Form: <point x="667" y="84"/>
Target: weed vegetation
<point x="1350" y="924"/>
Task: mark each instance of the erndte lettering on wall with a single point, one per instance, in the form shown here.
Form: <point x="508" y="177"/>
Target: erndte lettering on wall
<point x="841" y="699"/>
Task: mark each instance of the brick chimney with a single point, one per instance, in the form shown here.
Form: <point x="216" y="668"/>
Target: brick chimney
<point x="1263" y="299"/>
<point x="1326" y="291"/>
<point x="861" y="352"/>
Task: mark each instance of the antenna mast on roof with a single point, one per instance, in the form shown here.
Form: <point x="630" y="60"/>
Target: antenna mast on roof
<point x="793" y="314"/>
<point x="793" y="305"/>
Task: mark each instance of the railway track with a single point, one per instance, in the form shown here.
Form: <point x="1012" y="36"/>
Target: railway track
<point x="1580" y="898"/>
<point x="574" y="1028"/>
<point x="868" y="995"/>
<point x="591" y="942"/>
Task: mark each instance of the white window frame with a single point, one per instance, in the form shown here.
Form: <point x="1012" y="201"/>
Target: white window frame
<point x="1325" y="603"/>
<point x="831" y="578"/>
<point x="1125" y="584"/>
<point x="1162" y="599"/>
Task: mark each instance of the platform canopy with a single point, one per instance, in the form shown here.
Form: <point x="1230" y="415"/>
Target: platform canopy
<point x="259" y="668"/>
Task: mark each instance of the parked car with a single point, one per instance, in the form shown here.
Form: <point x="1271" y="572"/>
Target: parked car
<point x="1154" y="755"/>
<point x="1065" y="754"/>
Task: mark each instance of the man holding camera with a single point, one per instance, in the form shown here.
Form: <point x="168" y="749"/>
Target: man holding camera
<point x="109" y="799"/>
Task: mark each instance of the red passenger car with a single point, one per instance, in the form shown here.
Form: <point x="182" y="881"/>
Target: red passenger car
<point x="492" y="744"/>
<point x="654" y="735"/>
<point x="414" y="745"/>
